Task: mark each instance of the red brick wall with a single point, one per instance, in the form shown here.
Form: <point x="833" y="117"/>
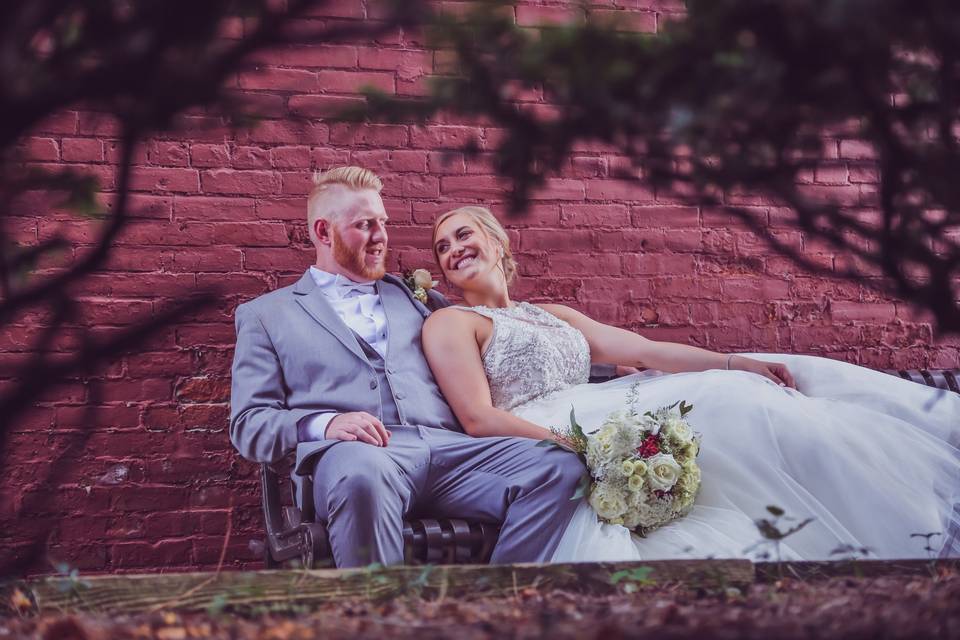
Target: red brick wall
<point x="158" y="483"/>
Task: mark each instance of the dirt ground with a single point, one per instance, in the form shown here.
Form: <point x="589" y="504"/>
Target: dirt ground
<point x="885" y="607"/>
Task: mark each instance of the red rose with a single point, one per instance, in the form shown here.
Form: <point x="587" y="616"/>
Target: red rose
<point x="649" y="447"/>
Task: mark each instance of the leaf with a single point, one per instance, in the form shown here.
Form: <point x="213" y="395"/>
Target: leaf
<point x="217" y="605"/>
<point x="775" y="510"/>
<point x="685" y="408"/>
<point x="635" y="575"/>
<point x="582" y="487"/>
<point x="574" y="426"/>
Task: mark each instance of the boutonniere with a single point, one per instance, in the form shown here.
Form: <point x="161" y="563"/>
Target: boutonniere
<point x="419" y="281"/>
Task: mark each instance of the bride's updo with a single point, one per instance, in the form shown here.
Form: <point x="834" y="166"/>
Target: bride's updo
<point x="491" y="228"/>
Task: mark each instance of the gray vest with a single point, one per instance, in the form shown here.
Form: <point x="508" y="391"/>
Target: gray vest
<point x="389" y="412"/>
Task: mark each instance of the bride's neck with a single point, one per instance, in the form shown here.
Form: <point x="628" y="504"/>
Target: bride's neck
<point x="493" y="297"/>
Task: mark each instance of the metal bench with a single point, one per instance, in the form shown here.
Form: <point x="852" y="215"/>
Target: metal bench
<point x="294" y="534"/>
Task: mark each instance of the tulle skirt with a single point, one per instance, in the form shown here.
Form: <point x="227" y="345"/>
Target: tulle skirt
<point x="871" y="458"/>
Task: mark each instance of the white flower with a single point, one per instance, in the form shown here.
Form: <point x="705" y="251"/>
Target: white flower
<point x="423" y="280"/>
<point x="678" y="430"/>
<point x="664" y="471"/>
<point x="607" y="502"/>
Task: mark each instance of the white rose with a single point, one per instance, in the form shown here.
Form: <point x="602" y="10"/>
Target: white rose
<point x="423" y="279"/>
<point x="678" y="430"/>
<point x="607" y="502"/>
<point x="663" y="472"/>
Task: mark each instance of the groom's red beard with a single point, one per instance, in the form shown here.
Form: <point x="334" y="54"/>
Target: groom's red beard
<point x="356" y="260"/>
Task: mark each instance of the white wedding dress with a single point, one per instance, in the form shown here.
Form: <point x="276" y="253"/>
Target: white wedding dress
<point x="872" y="458"/>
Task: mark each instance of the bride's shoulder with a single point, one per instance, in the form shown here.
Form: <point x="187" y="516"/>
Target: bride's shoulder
<point x="449" y="319"/>
<point x="561" y="311"/>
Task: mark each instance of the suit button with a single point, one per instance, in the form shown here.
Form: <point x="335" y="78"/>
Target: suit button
<point x="400" y="395"/>
<point x="373" y="384"/>
<point x="391" y="370"/>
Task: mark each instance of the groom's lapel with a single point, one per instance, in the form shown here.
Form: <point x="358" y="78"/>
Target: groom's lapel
<point x="398" y="284"/>
<point x="309" y="296"/>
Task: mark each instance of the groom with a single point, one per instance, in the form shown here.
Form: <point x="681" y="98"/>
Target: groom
<point x="331" y="367"/>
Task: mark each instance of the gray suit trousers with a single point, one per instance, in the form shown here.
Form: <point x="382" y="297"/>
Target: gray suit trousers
<point x="364" y="492"/>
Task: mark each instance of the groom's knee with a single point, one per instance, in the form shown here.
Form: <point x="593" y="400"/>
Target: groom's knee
<point x="364" y="478"/>
<point x="565" y="469"/>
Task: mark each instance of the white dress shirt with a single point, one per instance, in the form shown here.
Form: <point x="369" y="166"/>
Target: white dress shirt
<point x="360" y="308"/>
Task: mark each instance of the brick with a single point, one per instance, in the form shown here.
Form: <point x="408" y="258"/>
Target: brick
<point x="380" y="135"/>
<point x="863" y="311"/>
<point x="831" y="175"/>
<point x="293" y="157"/>
<point x="168" y="154"/>
<point x="617" y="190"/>
<point x="61" y="123"/>
<point x="843" y="195"/>
<point x="275" y="79"/>
<point x="286" y="132"/>
<point x="594" y="215"/>
<point x="337" y="81"/>
<point x="178" y="180"/>
<point x="209" y="155"/>
<point x="322" y="56"/>
<point x="323" y="106"/>
<point x="562" y="264"/>
<point x="659" y="264"/>
<point x="631" y="240"/>
<point x="741" y="288"/>
<point x="240" y="182"/>
<point x="473" y="187"/>
<point x="434" y="136"/>
<point x="246" y="157"/>
<point x="669" y="217"/>
<point x="41" y="149"/>
<point x="407" y="64"/>
<point x="864" y="174"/>
<point x="625" y="20"/>
<point x="203" y="390"/>
<point x="536" y="16"/>
<point x="213" y="208"/>
<point x="559" y="189"/>
<point x="419" y="186"/>
<point x="556" y="239"/>
<point x="857" y="150"/>
<point x="337" y="9"/>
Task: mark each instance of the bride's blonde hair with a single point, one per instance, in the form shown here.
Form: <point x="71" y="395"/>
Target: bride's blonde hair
<point x="491" y="227"/>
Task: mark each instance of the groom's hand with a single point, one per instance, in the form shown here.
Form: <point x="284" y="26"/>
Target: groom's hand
<point x="358" y="425"/>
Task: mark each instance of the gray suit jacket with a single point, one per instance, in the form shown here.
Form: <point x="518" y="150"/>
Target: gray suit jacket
<point x="296" y="357"/>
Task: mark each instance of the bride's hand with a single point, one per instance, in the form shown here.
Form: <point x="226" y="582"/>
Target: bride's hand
<point x="776" y="371"/>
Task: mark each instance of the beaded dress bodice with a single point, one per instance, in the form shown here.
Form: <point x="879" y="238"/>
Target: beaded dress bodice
<point x="531" y="353"/>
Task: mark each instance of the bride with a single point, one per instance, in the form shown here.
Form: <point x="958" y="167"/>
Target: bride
<point x="870" y="458"/>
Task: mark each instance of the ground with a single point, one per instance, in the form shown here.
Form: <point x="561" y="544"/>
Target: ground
<point x="846" y="607"/>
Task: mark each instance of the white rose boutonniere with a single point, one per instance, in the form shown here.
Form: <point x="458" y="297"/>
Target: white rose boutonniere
<point x="419" y="281"/>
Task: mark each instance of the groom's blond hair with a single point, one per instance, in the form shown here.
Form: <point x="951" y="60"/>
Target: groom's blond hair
<point x="355" y="178"/>
<point x="491" y="227"/>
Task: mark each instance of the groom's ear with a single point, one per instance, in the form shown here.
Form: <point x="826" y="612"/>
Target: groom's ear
<point x="321" y="228"/>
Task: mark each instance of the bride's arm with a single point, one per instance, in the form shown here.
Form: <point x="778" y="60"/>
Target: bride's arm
<point x="619" y="346"/>
<point x="450" y="344"/>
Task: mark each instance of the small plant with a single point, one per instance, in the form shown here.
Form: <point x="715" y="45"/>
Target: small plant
<point x="851" y="552"/>
<point x="71" y="582"/>
<point x="927" y="537"/>
<point x="771" y="533"/>
<point x="633" y="579"/>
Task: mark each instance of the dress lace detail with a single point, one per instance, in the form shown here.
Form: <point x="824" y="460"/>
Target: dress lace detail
<point x="531" y="354"/>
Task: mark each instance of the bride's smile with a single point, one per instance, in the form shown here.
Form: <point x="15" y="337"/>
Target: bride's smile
<point x="468" y="257"/>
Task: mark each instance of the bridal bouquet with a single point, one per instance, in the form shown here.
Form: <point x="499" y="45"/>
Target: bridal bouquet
<point x="643" y="470"/>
